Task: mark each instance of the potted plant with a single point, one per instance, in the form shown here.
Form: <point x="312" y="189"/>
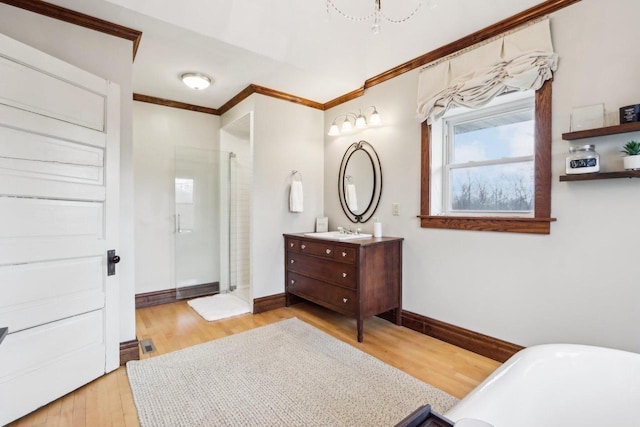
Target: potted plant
<point x="632" y="158"/>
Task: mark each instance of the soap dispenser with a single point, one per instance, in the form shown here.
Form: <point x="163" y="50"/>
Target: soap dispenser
<point x="377" y="227"/>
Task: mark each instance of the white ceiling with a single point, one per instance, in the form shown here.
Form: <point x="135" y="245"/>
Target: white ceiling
<point x="292" y="46"/>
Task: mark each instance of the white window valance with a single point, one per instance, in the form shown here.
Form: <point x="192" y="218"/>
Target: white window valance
<point x="521" y="60"/>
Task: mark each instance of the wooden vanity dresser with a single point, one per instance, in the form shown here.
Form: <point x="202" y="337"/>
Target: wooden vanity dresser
<point x="358" y="278"/>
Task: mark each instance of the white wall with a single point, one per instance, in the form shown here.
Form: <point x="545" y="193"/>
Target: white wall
<point x="285" y="137"/>
<point x="110" y="58"/>
<point x="157" y="131"/>
<point x="579" y="284"/>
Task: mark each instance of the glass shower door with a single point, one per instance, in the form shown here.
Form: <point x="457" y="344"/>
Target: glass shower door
<point x="201" y="222"/>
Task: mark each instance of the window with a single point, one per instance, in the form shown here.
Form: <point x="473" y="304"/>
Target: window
<point x="487" y="158"/>
<point x="489" y="168"/>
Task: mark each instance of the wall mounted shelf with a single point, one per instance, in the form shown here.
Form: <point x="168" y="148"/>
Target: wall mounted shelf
<point x="591" y="133"/>
<point x="609" y="130"/>
<point x="600" y="175"/>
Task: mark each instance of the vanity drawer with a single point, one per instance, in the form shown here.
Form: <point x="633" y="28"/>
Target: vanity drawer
<point x="293" y="245"/>
<point x="330" y="271"/>
<point x="345" y="275"/>
<point x="342" y="299"/>
<point x="325" y="250"/>
<point x="345" y="254"/>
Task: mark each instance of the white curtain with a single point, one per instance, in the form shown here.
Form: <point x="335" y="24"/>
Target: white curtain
<point x="518" y="61"/>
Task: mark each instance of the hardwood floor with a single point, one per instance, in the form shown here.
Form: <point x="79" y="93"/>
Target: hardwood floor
<point x="107" y="401"/>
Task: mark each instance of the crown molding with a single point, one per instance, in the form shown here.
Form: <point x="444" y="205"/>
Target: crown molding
<point x="251" y="89"/>
<point x="287" y="97"/>
<point x="344" y="98"/>
<point x="174" y="104"/>
<point x="80" y="19"/>
<point x="241" y="96"/>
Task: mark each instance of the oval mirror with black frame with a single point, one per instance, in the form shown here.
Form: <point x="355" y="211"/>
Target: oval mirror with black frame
<point x="360" y="182"/>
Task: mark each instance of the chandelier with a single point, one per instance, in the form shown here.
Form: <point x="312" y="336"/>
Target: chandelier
<point x="377" y="14"/>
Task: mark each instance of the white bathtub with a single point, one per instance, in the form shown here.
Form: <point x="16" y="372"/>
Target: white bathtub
<point x="558" y="385"/>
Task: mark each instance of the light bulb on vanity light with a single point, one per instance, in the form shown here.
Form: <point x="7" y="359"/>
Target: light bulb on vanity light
<point x="334" y="129"/>
<point x="346" y="125"/>
<point x="375" y="117"/>
<point x="361" y="122"/>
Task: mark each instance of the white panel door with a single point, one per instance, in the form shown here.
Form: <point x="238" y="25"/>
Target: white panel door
<point x="59" y="151"/>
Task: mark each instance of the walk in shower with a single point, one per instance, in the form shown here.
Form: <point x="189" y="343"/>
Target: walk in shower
<point x="207" y="222"/>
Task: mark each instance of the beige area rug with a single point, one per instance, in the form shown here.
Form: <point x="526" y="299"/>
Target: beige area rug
<point x="284" y="374"/>
<point x="219" y="306"/>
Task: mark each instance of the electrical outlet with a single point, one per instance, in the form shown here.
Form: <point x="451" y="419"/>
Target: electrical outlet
<point x="395" y="209"/>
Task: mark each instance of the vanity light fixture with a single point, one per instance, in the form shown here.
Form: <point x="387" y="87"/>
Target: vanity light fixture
<point x="196" y="81"/>
<point x="351" y="120"/>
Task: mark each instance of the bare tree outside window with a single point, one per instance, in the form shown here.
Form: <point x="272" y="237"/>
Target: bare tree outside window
<point x="508" y="189"/>
<point x="489" y="164"/>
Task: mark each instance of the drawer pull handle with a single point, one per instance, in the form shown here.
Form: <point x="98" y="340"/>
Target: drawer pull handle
<point x="328" y="251"/>
<point x="344" y="254"/>
<point x="293" y="261"/>
<point x="303" y="246"/>
<point x="344" y="274"/>
<point x="293" y="281"/>
<point x="344" y="300"/>
<point x="290" y="245"/>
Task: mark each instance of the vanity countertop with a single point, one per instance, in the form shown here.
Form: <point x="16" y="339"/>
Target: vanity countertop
<point x="365" y="241"/>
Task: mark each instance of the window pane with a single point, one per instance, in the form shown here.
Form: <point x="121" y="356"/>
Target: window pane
<point x="505" y="187"/>
<point x="494" y="137"/>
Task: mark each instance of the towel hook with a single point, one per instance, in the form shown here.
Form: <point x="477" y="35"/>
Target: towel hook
<point x="348" y="178"/>
<point x="294" y="173"/>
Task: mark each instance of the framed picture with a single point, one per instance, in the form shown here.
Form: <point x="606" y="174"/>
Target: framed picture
<point x="322" y="224"/>
<point x="587" y="117"/>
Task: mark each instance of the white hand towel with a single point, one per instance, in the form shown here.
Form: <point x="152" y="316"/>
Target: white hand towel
<point x="295" y="197"/>
<point x="352" y="198"/>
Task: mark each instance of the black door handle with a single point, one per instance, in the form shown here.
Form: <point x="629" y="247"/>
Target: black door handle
<point x="3" y="333"/>
<point x="112" y="260"/>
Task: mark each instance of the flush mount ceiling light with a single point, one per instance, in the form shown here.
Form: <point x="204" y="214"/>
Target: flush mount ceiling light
<point x="196" y="81"/>
<point x="351" y="120"/>
<point x="377" y="14"/>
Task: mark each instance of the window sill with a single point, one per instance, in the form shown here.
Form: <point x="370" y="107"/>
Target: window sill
<point x="491" y="223"/>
